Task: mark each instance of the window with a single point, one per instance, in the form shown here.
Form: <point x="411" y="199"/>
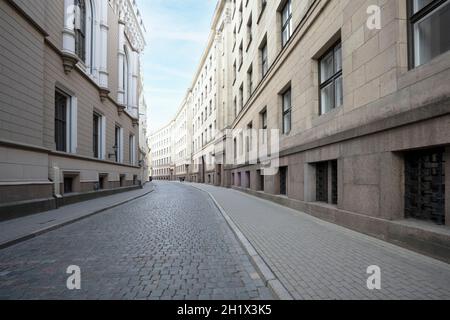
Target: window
<point x="331" y="93"/>
<point x="249" y="137"/>
<point x="287" y="107"/>
<point x="61" y="122"/>
<point x="263" y="116"/>
<point x="68" y="184"/>
<point x="234" y="72"/>
<point x="283" y="180"/>
<point x="425" y="185"/>
<point x="118" y="144"/>
<point x="241" y="97"/>
<point x="263" y="4"/>
<point x="249" y="31"/>
<point x="327" y="181"/>
<point x="96" y="135"/>
<point x="250" y="81"/>
<point x="132" y="149"/>
<point x="430" y="22"/>
<point x="264" y="59"/>
<point x="126" y="78"/>
<point x="80" y="29"/>
<point x="260" y="177"/>
<point x="241" y="15"/>
<point x="241" y="55"/>
<point x="84" y="33"/>
<point x="286" y="23"/>
<point x="65" y="122"/>
<point x="264" y="120"/>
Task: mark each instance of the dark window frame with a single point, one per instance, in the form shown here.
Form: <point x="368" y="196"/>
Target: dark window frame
<point x="336" y="75"/>
<point x="96" y="134"/>
<point x="414" y="18"/>
<point x="285" y="112"/>
<point x="286" y="24"/>
<point x="264" y="62"/>
<point x="61" y="121"/>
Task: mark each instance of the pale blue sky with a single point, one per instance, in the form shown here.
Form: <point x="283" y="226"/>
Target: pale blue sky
<point x="177" y="31"/>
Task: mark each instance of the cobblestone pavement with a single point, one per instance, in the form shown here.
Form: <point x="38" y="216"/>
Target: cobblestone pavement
<point x="315" y="259"/>
<point x="171" y="244"/>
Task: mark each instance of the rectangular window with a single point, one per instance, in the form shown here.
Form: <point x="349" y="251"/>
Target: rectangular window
<point x="330" y="77"/>
<point x="264" y="119"/>
<point x="68" y="185"/>
<point x="250" y="81"/>
<point x="260" y="177"/>
<point x="283" y="180"/>
<point x="61" y="121"/>
<point x="263" y="116"/>
<point x="249" y="136"/>
<point x="96" y="135"/>
<point x="249" y="31"/>
<point x="264" y="60"/>
<point x="132" y="149"/>
<point x="241" y="97"/>
<point x="287" y="107"/>
<point x="425" y="185"/>
<point x="327" y="182"/>
<point x="241" y="55"/>
<point x="322" y="182"/>
<point x="286" y="23"/>
<point x="118" y="144"/>
<point x="429" y="25"/>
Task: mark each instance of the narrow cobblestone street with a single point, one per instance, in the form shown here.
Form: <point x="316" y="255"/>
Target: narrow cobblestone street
<point x="170" y="244"/>
<point x="175" y="244"/>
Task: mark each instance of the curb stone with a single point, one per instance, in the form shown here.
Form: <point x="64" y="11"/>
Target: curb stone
<point x="261" y="266"/>
<point x="34" y="234"/>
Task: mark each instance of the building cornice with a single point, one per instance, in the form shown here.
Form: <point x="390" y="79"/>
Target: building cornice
<point x="27" y="17"/>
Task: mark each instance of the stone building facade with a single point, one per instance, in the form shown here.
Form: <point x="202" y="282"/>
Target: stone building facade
<point x="69" y="87"/>
<point x="162" y="165"/>
<point x="359" y="93"/>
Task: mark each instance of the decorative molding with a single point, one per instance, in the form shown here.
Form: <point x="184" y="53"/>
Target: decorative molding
<point x="103" y="92"/>
<point x="69" y="61"/>
<point x="120" y="109"/>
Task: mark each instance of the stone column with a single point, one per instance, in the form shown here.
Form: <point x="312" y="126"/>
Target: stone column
<point x="121" y="53"/>
<point x="68" y="47"/>
<point x="103" y="50"/>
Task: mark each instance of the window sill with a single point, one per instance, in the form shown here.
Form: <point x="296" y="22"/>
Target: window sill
<point x="263" y="9"/>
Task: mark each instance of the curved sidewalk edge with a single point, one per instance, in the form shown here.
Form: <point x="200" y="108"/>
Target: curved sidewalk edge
<point x="38" y="232"/>
<point x="271" y="280"/>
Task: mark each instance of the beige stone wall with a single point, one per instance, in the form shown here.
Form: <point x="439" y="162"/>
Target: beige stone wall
<point x="31" y="69"/>
<point x="378" y="88"/>
<point x="377" y="83"/>
<point x="21" y="79"/>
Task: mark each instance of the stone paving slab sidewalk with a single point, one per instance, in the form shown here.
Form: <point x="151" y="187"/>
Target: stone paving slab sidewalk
<point x="24" y="228"/>
<point x="315" y="259"/>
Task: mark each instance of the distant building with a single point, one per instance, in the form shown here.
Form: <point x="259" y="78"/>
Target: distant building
<point x="162" y="167"/>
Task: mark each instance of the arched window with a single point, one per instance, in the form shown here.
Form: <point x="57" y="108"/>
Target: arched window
<point x="80" y="29"/>
<point x="84" y="32"/>
<point x="126" y="82"/>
